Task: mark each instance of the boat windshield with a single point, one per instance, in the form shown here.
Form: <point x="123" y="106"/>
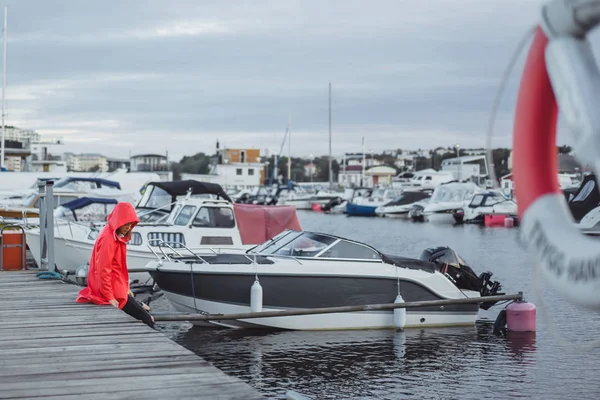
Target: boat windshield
<point x="452" y="193"/>
<point x="297" y="244"/>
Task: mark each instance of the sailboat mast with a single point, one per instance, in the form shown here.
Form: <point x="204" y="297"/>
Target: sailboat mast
<point x="290" y="148"/>
<point x="330" y="161"/>
<point x="362" y="172"/>
<point x="3" y="84"/>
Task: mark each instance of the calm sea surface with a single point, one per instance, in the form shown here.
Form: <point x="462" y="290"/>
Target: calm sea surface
<point x="451" y="363"/>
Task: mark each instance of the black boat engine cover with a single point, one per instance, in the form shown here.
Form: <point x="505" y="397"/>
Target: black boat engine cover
<point x="450" y="263"/>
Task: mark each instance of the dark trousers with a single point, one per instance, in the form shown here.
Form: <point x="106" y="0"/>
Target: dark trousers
<point x="135" y="309"/>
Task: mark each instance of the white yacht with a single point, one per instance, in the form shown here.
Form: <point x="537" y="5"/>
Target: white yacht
<point x="301" y="270"/>
<point x="446" y="199"/>
<point x="486" y="203"/>
<point x="400" y="206"/>
<point x="176" y="216"/>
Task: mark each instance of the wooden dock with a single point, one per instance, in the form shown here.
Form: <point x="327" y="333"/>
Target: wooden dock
<point x="52" y="347"/>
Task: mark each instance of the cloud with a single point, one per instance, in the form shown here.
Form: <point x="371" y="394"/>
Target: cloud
<point x="157" y="77"/>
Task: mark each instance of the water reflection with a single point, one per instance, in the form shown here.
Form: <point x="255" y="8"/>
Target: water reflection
<point x="376" y="364"/>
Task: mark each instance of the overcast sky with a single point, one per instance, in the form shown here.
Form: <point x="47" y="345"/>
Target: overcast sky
<point x="157" y="76"/>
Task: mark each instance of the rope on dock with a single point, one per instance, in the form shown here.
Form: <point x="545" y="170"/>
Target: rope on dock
<point x="49" y="275"/>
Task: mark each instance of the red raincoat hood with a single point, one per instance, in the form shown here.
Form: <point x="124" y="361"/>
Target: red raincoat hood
<point x="122" y="214"/>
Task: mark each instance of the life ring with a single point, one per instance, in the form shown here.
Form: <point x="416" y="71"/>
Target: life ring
<point x="568" y="260"/>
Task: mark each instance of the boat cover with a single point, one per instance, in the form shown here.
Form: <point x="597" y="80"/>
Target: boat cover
<point x="259" y="223"/>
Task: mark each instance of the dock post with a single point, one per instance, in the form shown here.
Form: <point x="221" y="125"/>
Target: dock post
<point x="50" y="224"/>
<point x="42" y="214"/>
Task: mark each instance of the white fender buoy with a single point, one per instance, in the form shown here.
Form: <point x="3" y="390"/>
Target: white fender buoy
<point x="256" y="297"/>
<point x="399" y="314"/>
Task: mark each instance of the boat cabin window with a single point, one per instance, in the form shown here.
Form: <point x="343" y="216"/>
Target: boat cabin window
<point x="175" y="240"/>
<point x="476" y="201"/>
<point x="185" y="215"/>
<point x="585" y="192"/>
<point x="156" y="198"/>
<point x="491" y="200"/>
<point x="136" y="239"/>
<point x="214" y="217"/>
<point x="344" y="249"/>
<point x="306" y="245"/>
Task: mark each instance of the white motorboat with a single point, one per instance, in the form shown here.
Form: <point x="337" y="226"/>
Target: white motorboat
<point x="486" y="203"/>
<point x="400" y="206"/>
<point x="446" y="199"/>
<point x="302" y="199"/>
<point x="301" y="270"/>
<point x="198" y="220"/>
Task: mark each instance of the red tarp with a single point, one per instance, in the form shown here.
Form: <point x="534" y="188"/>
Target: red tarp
<point x="257" y="223"/>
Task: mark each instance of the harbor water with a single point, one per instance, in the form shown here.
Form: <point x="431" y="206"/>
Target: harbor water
<point x="556" y="362"/>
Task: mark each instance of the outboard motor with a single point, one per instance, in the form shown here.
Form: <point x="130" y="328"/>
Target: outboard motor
<point x="416" y="213"/>
<point x="455" y="268"/>
<point x="332" y="203"/>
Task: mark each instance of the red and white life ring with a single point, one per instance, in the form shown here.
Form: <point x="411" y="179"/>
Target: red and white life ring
<point x="569" y="260"/>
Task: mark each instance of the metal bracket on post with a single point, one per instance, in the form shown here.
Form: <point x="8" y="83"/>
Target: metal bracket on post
<point x="42" y="214"/>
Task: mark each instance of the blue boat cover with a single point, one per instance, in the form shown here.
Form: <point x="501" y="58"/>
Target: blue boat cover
<point x="85" y="201"/>
<point x="101" y="181"/>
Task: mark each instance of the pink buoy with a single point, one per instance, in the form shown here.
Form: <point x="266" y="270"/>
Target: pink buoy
<point x="493" y="220"/>
<point x="316" y="207"/>
<point x="509" y="222"/>
<point x="520" y="316"/>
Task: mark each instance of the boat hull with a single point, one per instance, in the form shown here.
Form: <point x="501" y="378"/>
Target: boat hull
<point x="360" y="210"/>
<point x="225" y="293"/>
<point x="333" y="321"/>
<point x="439" y="217"/>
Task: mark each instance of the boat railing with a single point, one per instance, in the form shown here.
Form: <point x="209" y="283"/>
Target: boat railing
<point x="194" y="252"/>
<point x="167" y="244"/>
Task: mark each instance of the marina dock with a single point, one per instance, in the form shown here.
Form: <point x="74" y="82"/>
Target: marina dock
<point x="52" y="347"/>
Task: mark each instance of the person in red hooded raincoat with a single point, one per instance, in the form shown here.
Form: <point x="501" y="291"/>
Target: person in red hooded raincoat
<point x="108" y="278"/>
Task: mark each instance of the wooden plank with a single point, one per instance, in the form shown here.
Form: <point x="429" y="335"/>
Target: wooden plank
<point x="91" y="350"/>
<point x="52" y="347"/>
<point x="89" y="340"/>
<point x="104" y="368"/>
<point x="142" y="388"/>
<point x="183" y="392"/>
<point x="116" y="355"/>
<point x="90" y="330"/>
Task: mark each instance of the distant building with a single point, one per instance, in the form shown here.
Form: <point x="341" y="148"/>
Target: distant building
<point x="87" y="162"/>
<point x="473" y="168"/>
<point x="118" y="163"/>
<point x="24" y="150"/>
<point x="241" y="168"/>
<point x="149" y="163"/>
<point x="350" y="176"/>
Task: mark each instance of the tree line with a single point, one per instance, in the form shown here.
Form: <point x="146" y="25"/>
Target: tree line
<point x="200" y="164"/>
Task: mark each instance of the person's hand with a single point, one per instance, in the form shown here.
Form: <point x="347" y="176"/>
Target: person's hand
<point x="114" y="302"/>
<point x="130" y="293"/>
<point x="146" y="306"/>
